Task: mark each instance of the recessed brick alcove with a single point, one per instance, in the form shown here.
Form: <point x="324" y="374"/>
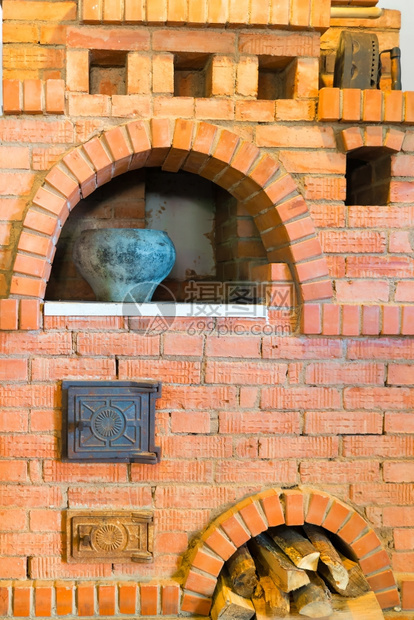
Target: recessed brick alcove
<point x="292" y="507"/>
<point x="302" y="413"/>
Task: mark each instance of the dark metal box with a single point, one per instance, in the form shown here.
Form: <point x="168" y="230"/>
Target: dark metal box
<point x="110" y="421"/>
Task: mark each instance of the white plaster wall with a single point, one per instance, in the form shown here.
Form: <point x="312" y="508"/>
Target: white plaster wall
<point x="407" y="38"/>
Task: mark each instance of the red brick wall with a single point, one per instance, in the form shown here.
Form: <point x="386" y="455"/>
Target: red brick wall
<point x="243" y="408"/>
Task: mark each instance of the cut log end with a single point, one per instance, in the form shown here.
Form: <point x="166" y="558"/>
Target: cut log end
<point x="310" y="562"/>
<point x="312" y="601"/>
<point x="228" y="605"/>
<point x="242" y="572"/>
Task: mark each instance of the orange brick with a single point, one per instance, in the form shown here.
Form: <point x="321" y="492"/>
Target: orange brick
<point x="88" y="105"/>
<point x="32" y="96"/>
<point x="375" y="562"/>
<point x="318" y="503"/>
<point x="13" y="370"/>
<point x="295" y="110"/>
<point x="22" y="599"/>
<point x="217" y="12"/>
<point x="77" y="70"/>
<point x="351" y="104"/>
<point x="55" y="96"/>
<point x="220" y="76"/>
<point x="163" y="73"/>
<point x="214" y="108"/>
<point x="353" y="528"/>
<point x="247" y="76"/>
<point x="311" y="319"/>
<point x="93" y="37"/>
<point x="43" y="600"/>
<point x="67" y="186"/>
<point x="407" y="593"/>
<point x="374" y="136"/>
<point x="106" y="599"/>
<point x="86" y="599"/>
<point x="8" y="314"/>
<point x="388" y="598"/>
<point x="177" y="11"/>
<point x="200" y="583"/>
<point x="393" y="106"/>
<point x="272" y="508"/>
<point x="129" y="106"/>
<point x="409" y="107"/>
<point x="40" y="11"/>
<point x="20" y="33"/>
<point x="207" y="562"/>
<point x="53" y="35"/>
<point x="127" y="598"/>
<point x="306" y="79"/>
<point x="236" y="531"/>
<point x="219" y="544"/>
<point x="329" y="108"/>
<point x="294" y="508"/>
<point x="190" y="422"/>
<point x="252" y="517"/>
<point x="367" y="543"/>
<point x="149" y="599"/>
<point x="337" y="514"/>
<point x="370" y="320"/>
<point x="170" y="599"/>
<point x="196" y="604"/>
<point x="100" y="159"/>
<point x="5" y="595"/>
<point x="112" y="11"/>
<point x="13" y="568"/>
<point x="139" y="74"/>
<point x="372" y="101"/>
<point x="82" y="171"/>
<point x="119" y="148"/>
<point x="11" y="97"/>
<point x="390" y="320"/>
<point x="46" y="224"/>
<point x="407" y="326"/>
<point x="259" y="111"/>
<point x="300" y="13"/>
<point x="92" y="11"/>
<point x="156" y="11"/>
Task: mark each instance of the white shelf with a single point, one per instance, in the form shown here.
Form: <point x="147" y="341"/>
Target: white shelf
<point x="166" y="309"/>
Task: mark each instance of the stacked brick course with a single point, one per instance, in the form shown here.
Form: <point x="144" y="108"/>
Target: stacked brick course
<point x="245" y="409"/>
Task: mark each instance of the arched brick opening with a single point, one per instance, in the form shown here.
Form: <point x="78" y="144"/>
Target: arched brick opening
<point x="293" y="507"/>
<point x="372" y="136"/>
<point x="258" y="180"/>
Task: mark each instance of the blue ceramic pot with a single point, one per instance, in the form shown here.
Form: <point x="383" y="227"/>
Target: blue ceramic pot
<point x="124" y="264"/>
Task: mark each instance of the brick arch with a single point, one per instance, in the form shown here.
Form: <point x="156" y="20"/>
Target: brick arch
<point x="372" y="136"/>
<point x="269" y="194"/>
<point x="293" y="507"/>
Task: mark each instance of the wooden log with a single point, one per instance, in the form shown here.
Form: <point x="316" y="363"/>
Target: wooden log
<point x="269" y="600"/>
<point x="331" y="563"/>
<point x="357" y="584"/>
<point x="313" y="600"/>
<point x="302" y="553"/>
<point x="228" y="605"/>
<point x="277" y="565"/>
<point x="242" y="572"/>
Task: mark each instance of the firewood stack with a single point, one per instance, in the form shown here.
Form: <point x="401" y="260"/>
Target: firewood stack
<point x="286" y="571"/>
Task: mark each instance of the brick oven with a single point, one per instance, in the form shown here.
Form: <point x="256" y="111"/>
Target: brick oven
<point x="219" y="122"/>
